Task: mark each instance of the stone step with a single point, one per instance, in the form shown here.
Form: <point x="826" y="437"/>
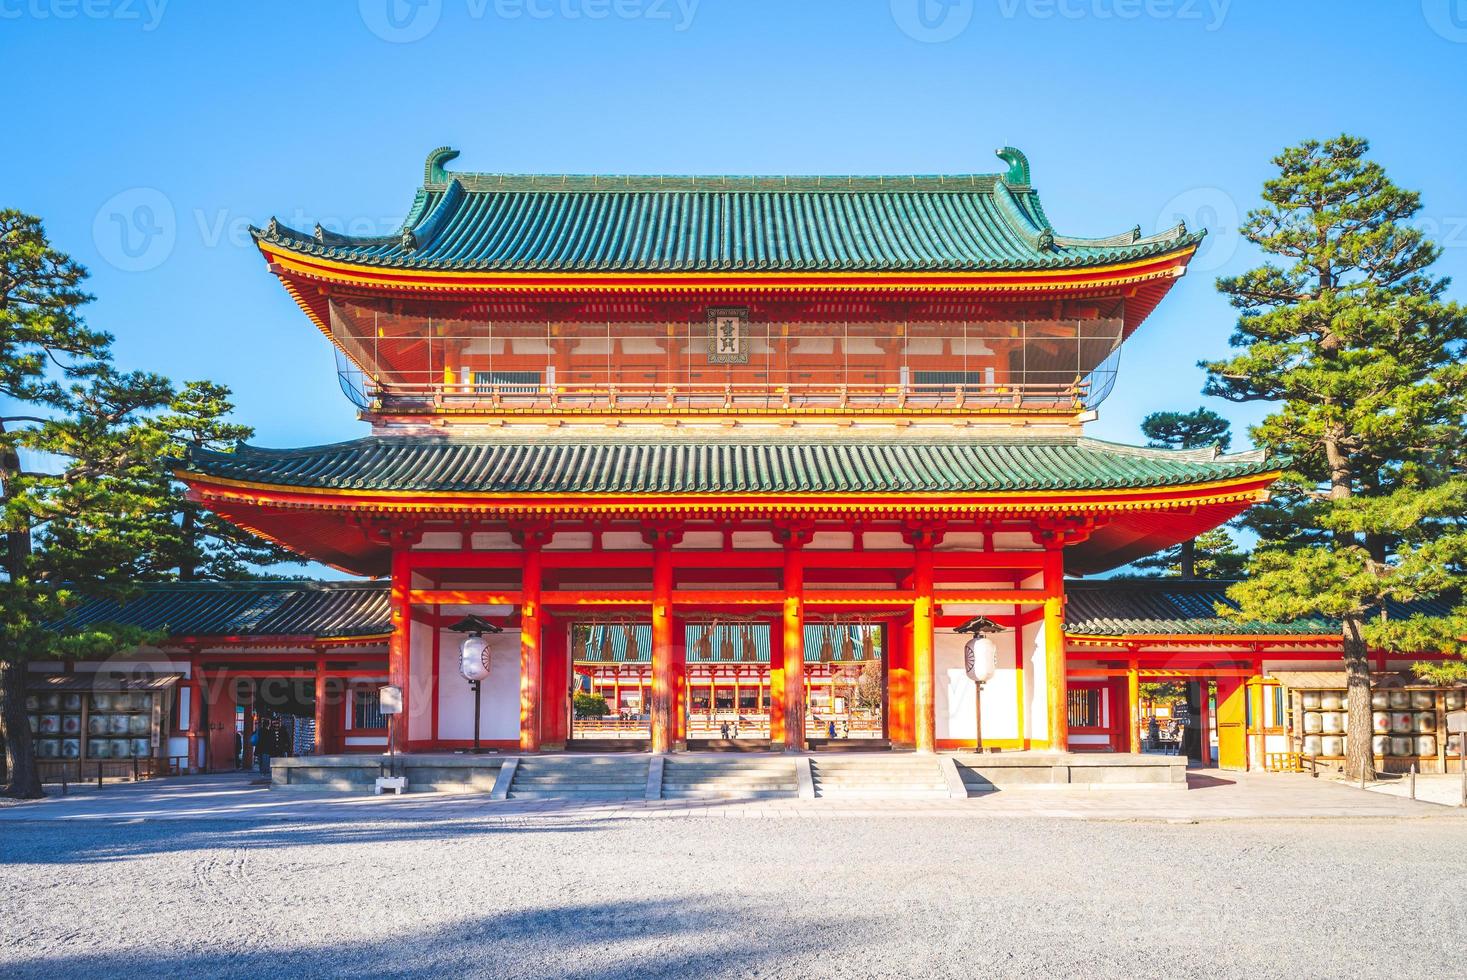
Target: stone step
<point x="757" y="794"/>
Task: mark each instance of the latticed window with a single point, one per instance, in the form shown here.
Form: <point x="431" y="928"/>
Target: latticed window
<point x="366" y="710"/>
<point x="1086" y="710"/>
<point x="508" y="382"/>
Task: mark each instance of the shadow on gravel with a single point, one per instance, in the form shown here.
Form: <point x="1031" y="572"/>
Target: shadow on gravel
<point x="629" y="938"/>
<point x="93" y="841"/>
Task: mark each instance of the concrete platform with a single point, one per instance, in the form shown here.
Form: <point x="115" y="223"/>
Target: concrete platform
<point x="425" y="772"/>
<point x="1071" y="770"/>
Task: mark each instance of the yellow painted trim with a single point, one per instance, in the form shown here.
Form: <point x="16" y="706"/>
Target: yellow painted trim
<point x="370" y="275"/>
<point x="706" y="498"/>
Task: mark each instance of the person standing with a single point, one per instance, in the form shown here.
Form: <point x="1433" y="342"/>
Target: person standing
<point x="263" y="743"/>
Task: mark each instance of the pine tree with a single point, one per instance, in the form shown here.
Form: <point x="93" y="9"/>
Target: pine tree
<point x="1348" y="335"/>
<point x="207" y="546"/>
<point x="1215" y="554"/>
<point x="76" y="474"/>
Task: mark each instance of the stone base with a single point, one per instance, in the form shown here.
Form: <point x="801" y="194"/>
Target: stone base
<point x="441" y="773"/>
<point x="1070" y="770"/>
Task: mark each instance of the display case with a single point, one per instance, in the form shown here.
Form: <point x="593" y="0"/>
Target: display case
<point x="1408" y="724"/>
<point x="96" y="725"/>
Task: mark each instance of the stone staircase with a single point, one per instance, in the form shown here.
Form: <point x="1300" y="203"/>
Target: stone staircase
<point x="887" y="777"/>
<point x="741" y="778"/>
<point x="590" y="777"/>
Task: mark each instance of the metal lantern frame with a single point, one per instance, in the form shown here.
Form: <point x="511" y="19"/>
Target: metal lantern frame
<point x="981" y="629"/>
<point x="475" y="627"/>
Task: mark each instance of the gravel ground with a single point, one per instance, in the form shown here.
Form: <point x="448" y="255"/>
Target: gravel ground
<point x="778" y="897"/>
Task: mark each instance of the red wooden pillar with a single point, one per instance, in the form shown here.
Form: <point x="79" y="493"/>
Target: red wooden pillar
<point x="555" y="683"/>
<point x="399" y="646"/>
<point x="924" y="620"/>
<point x="1055" y="660"/>
<point x="792" y="646"/>
<point x="322" y="718"/>
<point x="665" y="675"/>
<point x="530" y="693"/>
<point x="776" y="684"/>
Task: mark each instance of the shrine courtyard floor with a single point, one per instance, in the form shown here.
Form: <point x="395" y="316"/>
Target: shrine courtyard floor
<point x="1240" y="876"/>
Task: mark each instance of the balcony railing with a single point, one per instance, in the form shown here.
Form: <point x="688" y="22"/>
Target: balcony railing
<point x="520" y="398"/>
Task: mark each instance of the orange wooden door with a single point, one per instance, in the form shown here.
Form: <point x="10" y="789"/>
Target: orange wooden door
<point x="1232" y="724"/>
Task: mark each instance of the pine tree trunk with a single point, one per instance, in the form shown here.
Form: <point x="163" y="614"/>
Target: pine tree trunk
<point x="1189" y="559"/>
<point x="1359" y="760"/>
<point x="23" y="781"/>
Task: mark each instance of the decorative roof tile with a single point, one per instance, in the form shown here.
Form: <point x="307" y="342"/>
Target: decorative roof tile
<point x="590" y="223"/>
<point x="416" y="464"/>
<point x="1171" y="607"/>
<point x="246" y="609"/>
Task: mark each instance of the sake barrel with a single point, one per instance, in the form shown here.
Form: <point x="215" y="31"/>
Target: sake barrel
<point x="1456" y="699"/>
<point x="1425" y="723"/>
<point x="1402" y="746"/>
<point x="117" y="725"/>
<point x="1310" y="700"/>
<point x="71" y="702"/>
<point x="1332" y="745"/>
<point x="102" y="701"/>
<point x="50" y="724"/>
<point x="1400" y="699"/>
<point x="1380" y="700"/>
<point x="1380" y="745"/>
<point x="138" y="724"/>
<point x="99" y="748"/>
<point x="71" y="748"/>
<point x="1313" y="722"/>
<point x="1426" y="745"/>
<point x="1401" y="722"/>
<point x="1421" y="700"/>
<point x="71" y="724"/>
<point x="1331" y="700"/>
<point x="1334" y="722"/>
<point x="97" y="725"/>
<point x="1312" y="746"/>
<point x="48" y="748"/>
<point x="141" y="748"/>
<point x="1454" y="744"/>
<point x="1380" y="721"/>
<point x="119" y="748"/>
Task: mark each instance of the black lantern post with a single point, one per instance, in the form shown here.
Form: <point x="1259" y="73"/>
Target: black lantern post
<point x="473" y="659"/>
<point x="980" y="662"/>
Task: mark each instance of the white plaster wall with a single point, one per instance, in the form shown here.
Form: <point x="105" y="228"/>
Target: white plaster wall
<point x="700" y="540"/>
<point x="1036" y="678"/>
<point x="420" y="681"/>
<point x="493" y="541"/>
<point x="440" y="541"/>
<point x="499" y="711"/>
<point x="954" y="694"/>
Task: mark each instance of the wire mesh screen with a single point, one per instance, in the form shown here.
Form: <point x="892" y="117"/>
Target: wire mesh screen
<point x="412" y="362"/>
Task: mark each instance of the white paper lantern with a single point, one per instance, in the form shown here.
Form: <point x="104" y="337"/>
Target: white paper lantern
<point x="473" y="658"/>
<point x="980" y="658"/>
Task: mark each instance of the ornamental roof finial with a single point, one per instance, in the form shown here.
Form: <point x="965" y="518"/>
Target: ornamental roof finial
<point x="1018" y="172"/>
<point x="433" y="172"/>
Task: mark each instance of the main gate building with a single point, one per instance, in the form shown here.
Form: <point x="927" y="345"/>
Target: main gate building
<point x="738" y="454"/>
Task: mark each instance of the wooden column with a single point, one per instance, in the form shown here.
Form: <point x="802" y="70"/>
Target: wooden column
<point x="794" y="537"/>
<point x="666" y="678"/>
<point x="531" y="541"/>
<point x="1054" y="650"/>
<point x="1133" y="706"/>
<point x="924" y="688"/>
<point x="399" y="646"/>
<point x="321" y="713"/>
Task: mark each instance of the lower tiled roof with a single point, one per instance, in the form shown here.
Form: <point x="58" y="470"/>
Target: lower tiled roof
<point x="246" y="609"/>
<point x="1155" y="607"/>
<point x="426" y="465"/>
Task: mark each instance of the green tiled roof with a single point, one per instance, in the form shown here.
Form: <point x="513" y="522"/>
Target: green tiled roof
<point x="246" y="609"/>
<point x="417" y="464"/>
<point x="567" y="223"/>
<point x="1121" y="607"/>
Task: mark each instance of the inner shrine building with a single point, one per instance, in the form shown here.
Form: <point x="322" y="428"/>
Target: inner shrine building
<point x="734" y="456"/>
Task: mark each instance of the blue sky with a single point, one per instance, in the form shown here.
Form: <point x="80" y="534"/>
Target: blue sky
<point x="149" y="133"/>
